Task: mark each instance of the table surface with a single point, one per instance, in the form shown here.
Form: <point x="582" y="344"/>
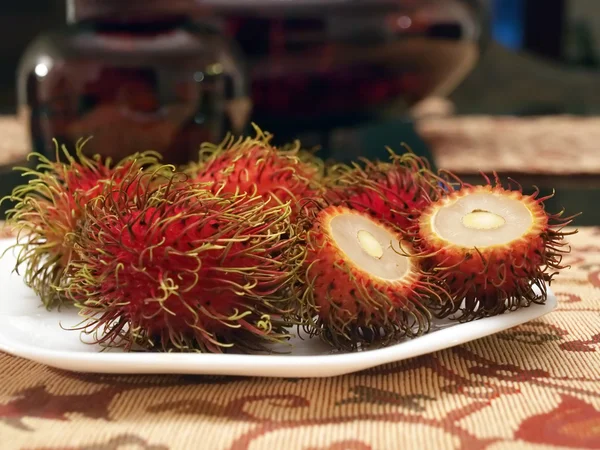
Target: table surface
<point x="542" y="146"/>
<point x="535" y="386"/>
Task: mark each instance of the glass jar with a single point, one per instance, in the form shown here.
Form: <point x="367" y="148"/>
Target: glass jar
<point x="343" y="74"/>
<point x="134" y="75"/>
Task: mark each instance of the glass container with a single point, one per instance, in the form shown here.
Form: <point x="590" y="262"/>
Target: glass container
<point x="337" y="73"/>
<point x="134" y="75"/>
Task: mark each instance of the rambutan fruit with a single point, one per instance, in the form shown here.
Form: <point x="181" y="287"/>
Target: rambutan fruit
<point x="361" y="284"/>
<point x="255" y="166"/>
<point x="395" y="191"/>
<point x="183" y="269"/>
<point x="48" y="209"/>
<point x="495" y="248"/>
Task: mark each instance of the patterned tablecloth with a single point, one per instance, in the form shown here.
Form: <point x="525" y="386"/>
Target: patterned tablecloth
<point x="553" y="145"/>
<point x="535" y="386"/>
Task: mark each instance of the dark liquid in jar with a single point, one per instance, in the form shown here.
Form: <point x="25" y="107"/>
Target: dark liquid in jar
<point x="311" y="76"/>
<point x="158" y="87"/>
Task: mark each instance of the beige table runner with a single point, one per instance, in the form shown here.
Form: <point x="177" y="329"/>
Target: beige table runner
<point x="556" y="145"/>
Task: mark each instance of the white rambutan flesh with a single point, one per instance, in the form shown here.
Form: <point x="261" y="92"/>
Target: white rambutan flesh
<point x="481" y="220"/>
<point x="370" y="246"/>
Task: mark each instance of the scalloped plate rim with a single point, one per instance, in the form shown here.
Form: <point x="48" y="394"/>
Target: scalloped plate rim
<point x="263" y="365"/>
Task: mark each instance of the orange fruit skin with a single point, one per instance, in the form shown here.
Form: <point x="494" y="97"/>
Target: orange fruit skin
<point x="396" y="191"/>
<point x="346" y="298"/>
<point x="488" y="274"/>
<point x="257" y="168"/>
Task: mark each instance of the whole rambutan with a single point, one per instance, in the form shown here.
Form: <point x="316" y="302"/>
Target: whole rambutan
<point x="183" y="269"/>
<point x="48" y="209"/>
<point x="360" y="283"/>
<point x="395" y="191"/>
<point x="495" y="248"/>
<point x="255" y="166"/>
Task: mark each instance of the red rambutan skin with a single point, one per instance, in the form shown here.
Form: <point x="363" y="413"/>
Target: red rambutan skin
<point x="49" y="208"/>
<point x="354" y="307"/>
<point x="254" y="166"/>
<point x="396" y="191"/>
<point x="494" y="279"/>
<point x="183" y="270"/>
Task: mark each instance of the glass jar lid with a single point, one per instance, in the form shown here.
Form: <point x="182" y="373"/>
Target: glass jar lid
<point x="302" y="7"/>
<point x="257" y="4"/>
<point x="78" y="10"/>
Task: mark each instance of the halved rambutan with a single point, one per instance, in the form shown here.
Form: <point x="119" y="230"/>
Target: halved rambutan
<point x="255" y="166"/>
<point x="495" y="248"/>
<point x="395" y="191"/>
<point x="49" y="208"/>
<point x="183" y="269"/>
<point x="361" y="285"/>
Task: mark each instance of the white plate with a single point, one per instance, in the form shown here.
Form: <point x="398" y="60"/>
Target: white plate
<point x="29" y="331"/>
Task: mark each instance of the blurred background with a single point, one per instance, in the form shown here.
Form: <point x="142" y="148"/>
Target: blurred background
<point x="448" y="77"/>
<point x="564" y="33"/>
